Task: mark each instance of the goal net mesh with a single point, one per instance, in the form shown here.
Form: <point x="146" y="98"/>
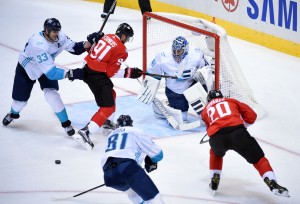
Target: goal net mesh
<point x="163" y="28"/>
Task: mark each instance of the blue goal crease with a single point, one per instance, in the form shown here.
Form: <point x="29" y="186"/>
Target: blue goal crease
<point x="142" y="115"/>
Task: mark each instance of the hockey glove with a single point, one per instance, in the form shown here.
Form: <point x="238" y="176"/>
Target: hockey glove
<point x="133" y="73"/>
<point x="149" y="164"/>
<point x="75" y="74"/>
<point x="93" y="38"/>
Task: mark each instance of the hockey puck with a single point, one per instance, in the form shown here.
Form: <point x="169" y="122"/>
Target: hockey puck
<point x="57" y="161"/>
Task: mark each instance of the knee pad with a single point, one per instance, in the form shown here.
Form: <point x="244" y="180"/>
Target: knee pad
<point x="53" y="99"/>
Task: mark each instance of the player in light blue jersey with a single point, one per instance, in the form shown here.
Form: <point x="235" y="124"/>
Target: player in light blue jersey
<point x="126" y="148"/>
<point x="36" y="62"/>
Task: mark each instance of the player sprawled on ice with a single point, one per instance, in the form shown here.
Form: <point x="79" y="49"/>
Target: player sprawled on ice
<point x="126" y="148"/>
<point x="185" y="66"/>
<point x="226" y="119"/>
<point x="36" y="62"/>
<point x="103" y="62"/>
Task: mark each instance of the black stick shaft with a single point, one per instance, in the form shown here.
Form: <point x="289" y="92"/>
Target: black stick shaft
<point x="88" y="190"/>
<point x="202" y="141"/>
<point x="108" y="14"/>
<point x="159" y="75"/>
<point x="105" y="20"/>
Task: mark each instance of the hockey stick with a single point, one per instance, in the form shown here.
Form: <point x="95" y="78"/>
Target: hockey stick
<point x="66" y="198"/>
<point x="202" y="141"/>
<point x="172" y="120"/>
<point x="150" y="74"/>
<point x="105" y="20"/>
<point x="160" y="75"/>
<point x="108" y="14"/>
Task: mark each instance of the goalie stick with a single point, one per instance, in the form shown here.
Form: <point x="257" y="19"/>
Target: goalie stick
<point x="172" y="120"/>
<point x="159" y="75"/>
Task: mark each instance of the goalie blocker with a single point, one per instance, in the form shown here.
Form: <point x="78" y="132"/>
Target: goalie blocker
<point x="196" y="96"/>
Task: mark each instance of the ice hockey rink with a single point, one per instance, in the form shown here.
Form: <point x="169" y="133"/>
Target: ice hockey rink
<point x="30" y="145"/>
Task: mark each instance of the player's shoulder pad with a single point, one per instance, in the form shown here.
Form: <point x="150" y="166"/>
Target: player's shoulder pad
<point x="39" y="42"/>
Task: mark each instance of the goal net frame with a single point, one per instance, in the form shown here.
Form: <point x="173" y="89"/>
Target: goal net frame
<point x="229" y="77"/>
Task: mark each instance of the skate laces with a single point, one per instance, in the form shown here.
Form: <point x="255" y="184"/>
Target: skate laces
<point x="215" y="180"/>
<point x="276" y="188"/>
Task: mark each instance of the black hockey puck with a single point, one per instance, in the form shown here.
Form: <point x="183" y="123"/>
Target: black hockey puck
<point x="57" y="161"/>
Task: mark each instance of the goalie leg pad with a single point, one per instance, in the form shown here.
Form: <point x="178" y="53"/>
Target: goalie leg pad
<point x="196" y="96"/>
<point x="173" y="122"/>
<point x="148" y="90"/>
<point x="157" y="112"/>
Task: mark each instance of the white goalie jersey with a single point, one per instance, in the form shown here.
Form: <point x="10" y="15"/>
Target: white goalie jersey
<point x="165" y="64"/>
<point x="38" y="56"/>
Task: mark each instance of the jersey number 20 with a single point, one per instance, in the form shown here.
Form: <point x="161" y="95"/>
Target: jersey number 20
<point x="220" y="110"/>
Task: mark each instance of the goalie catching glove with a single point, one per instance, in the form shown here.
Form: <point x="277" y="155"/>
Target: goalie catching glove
<point x="132" y="73"/>
<point x="93" y="38"/>
<point x="75" y="74"/>
<point x="149" y="164"/>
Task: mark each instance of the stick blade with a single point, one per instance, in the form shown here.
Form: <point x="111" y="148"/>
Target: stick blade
<point x="61" y="199"/>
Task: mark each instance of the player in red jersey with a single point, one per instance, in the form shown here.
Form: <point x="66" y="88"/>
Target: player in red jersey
<point x="226" y="119"/>
<point x="103" y="62"/>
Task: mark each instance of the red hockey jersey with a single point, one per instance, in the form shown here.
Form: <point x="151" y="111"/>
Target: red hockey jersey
<point x="107" y="55"/>
<point x="224" y="112"/>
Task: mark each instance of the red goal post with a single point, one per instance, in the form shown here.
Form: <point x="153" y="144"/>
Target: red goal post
<point x="163" y="28"/>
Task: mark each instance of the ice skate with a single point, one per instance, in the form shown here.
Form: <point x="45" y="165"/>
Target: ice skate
<point x="9" y="118"/>
<point x="70" y="130"/>
<point x="108" y="127"/>
<point x="103" y="15"/>
<point x="214" y="184"/>
<point x="68" y="127"/>
<point x="276" y="189"/>
<point x="83" y="138"/>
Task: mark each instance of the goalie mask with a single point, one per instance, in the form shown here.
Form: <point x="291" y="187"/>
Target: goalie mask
<point x="124" y="120"/>
<point x="180" y="48"/>
<point x="214" y="94"/>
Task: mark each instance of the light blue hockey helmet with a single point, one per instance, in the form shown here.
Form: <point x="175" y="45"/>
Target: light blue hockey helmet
<point x="180" y="48"/>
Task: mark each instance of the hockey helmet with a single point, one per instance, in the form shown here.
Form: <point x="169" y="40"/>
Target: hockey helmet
<point x="125" y="29"/>
<point x="214" y="94"/>
<point x="124" y="120"/>
<point x="52" y="24"/>
<point x="180" y="48"/>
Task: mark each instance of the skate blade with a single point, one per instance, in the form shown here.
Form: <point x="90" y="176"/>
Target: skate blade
<point x="283" y="194"/>
<point x="213" y="192"/>
<point x="82" y="143"/>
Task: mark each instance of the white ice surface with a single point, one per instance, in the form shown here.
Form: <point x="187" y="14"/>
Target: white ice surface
<point x="31" y="144"/>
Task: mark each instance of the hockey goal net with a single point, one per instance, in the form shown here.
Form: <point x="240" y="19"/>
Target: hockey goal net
<point x="163" y="28"/>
